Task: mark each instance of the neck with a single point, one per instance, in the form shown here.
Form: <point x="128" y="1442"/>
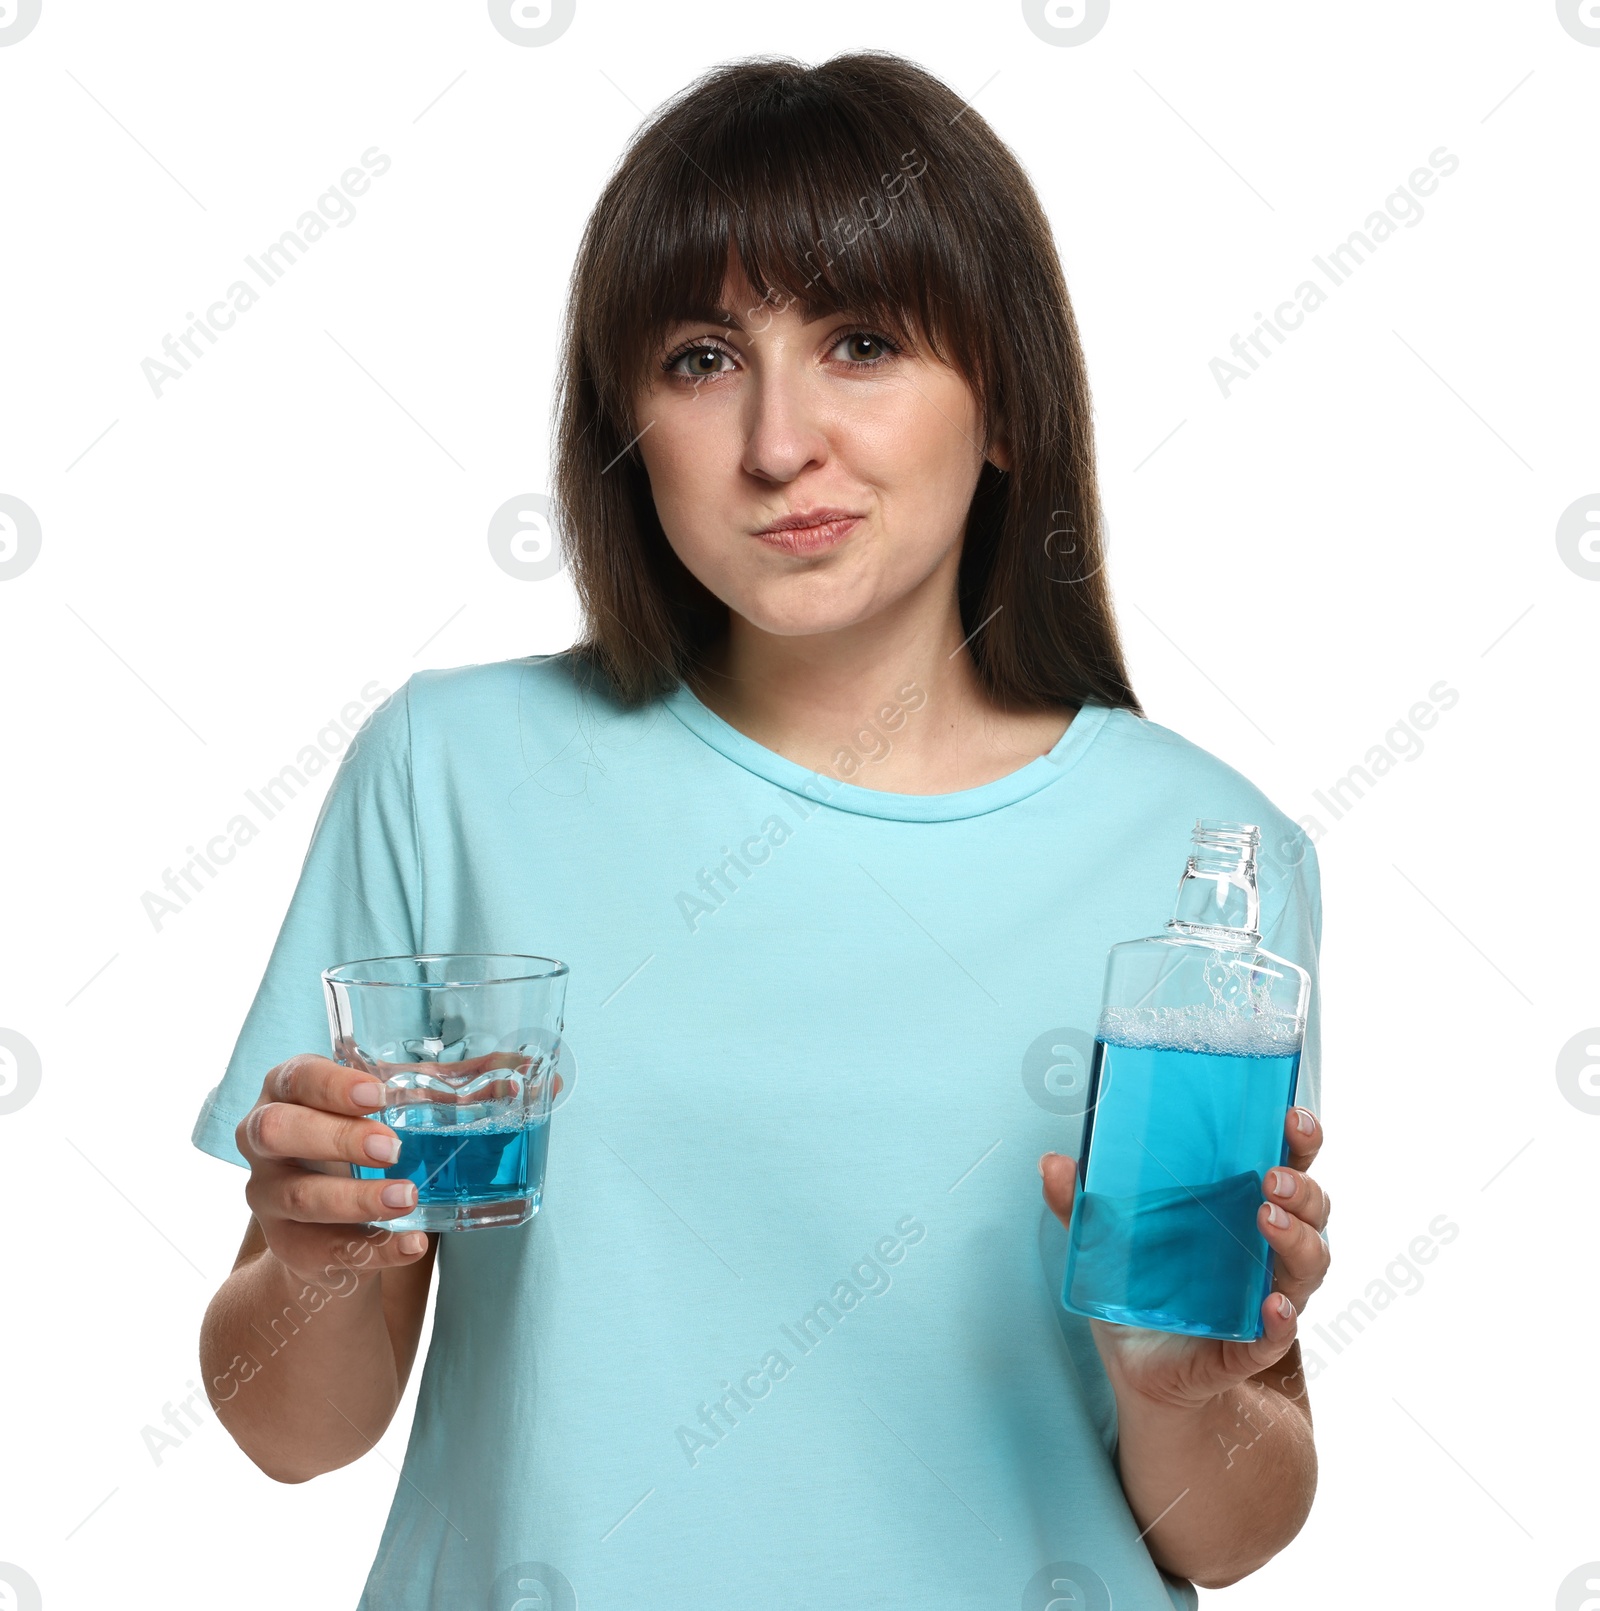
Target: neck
<point x="898" y="693"/>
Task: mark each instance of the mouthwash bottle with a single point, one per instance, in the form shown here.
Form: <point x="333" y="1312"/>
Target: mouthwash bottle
<point x="1195" y="1060"/>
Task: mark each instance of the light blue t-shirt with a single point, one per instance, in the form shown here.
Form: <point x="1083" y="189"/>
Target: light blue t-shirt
<point x="786" y="1331"/>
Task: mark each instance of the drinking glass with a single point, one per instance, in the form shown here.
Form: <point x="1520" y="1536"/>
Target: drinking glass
<point x="465" y="1046"/>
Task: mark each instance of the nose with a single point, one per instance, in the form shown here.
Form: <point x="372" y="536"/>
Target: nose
<point x="783" y="422"/>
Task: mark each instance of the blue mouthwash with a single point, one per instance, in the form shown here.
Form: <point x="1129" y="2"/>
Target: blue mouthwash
<point x="1194" y="1068"/>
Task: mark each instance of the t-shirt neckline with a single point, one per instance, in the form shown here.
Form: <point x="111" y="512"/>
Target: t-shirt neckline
<point x="1028" y="779"/>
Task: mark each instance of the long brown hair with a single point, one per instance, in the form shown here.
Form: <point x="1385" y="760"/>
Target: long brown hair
<point x="864" y="184"/>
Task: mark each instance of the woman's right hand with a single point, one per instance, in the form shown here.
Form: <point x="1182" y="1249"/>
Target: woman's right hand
<point x="307" y="1120"/>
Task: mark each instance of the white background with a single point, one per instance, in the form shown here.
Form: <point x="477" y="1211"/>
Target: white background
<point x="223" y="568"/>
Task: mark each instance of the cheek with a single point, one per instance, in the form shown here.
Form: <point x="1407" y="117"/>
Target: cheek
<point x="910" y="448"/>
<point x="921" y="449"/>
<point x="691" y="489"/>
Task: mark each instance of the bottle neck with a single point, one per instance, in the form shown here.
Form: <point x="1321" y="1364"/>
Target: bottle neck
<point x="1217" y="896"/>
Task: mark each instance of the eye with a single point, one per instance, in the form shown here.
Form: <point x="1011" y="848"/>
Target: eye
<point x="695" y="350"/>
<point x="702" y="351"/>
<point x="871" y="338"/>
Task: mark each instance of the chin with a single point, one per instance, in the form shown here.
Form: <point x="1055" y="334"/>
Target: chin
<point x="798" y="617"/>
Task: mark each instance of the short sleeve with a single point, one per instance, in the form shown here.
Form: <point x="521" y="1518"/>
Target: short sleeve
<point x="358" y="895"/>
<point x="1291" y="927"/>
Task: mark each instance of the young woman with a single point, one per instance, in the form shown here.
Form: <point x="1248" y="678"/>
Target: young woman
<point x="833" y="813"/>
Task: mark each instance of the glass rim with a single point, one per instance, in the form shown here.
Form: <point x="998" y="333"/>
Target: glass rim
<point x="556" y="969"/>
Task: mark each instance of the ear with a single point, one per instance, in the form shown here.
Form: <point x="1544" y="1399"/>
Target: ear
<point x="999" y="454"/>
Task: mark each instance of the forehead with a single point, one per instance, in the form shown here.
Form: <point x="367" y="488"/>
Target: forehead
<point x="739" y="305"/>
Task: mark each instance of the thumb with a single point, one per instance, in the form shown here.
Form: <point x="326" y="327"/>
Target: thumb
<point x="1059" y="1173"/>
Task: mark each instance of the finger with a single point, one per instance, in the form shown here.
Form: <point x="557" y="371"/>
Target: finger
<point x="468" y="1067"/>
<point x="319" y="1082"/>
<point x="1298" y="1194"/>
<point x="456" y="1092"/>
<point x="1234" y="1362"/>
<point x="288" y="1192"/>
<point x="1059" y="1174"/>
<point x="1304" y="1131"/>
<point x="1245" y="1359"/>
<point x="285" y="1130"/>
<point x="337" y="1255"/>
<point x="455" y="1074"/>
<point x="1300" y="1256"/>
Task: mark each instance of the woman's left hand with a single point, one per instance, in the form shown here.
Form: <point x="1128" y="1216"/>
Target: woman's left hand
<point x="1186" y="1372"/>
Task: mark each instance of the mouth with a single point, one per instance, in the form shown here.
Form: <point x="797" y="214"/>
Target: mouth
<point x="811" y="532"/>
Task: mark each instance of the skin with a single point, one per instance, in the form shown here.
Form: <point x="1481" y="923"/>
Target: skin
<point x="1215" y="1447"/>
<point x="307" y="1345"/>
<point x="781" y="415"/>
<point x="771" y="415"/>
<point x="308" y="1395"/>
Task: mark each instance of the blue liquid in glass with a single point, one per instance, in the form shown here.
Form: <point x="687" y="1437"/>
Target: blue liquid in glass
<point x="1175" y="1144"/>
<point x="459" y="1154"/>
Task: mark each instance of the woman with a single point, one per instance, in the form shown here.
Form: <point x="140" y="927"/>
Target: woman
<point x="833" y="813"/>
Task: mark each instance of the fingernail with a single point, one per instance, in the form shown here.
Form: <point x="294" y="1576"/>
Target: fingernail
<point x="1277" y="1215"/>
<point x="1304" y="1121"/>
<point x="1042" y="1157"/>
<point x="385" y="1149"/>
<point x="413" y="1242"/>
<point x="1285" y="1308"/>
<point x="366" y="1094"/>
<point x="1282" y="1184"/>
<point x="398" y="1195"/>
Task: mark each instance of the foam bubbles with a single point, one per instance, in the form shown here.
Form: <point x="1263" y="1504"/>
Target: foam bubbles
<point x="440" y="1118"/>
<point x="1217" y="1030"/>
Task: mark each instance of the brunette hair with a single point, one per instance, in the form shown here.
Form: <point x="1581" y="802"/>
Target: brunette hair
<point x="863" y="184"/>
